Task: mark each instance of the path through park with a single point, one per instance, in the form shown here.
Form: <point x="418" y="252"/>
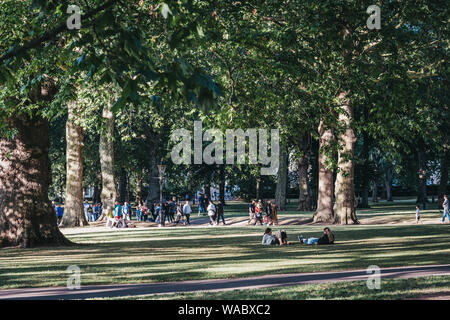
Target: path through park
<point x="97" y="291"/>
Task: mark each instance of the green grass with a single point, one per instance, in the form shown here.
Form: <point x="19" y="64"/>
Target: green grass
<point x="144" y="255"/>
<point x="353" y="290"/>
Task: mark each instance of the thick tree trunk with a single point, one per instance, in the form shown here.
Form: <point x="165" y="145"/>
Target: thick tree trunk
<point x="304" y="197"/>
<point x="444" y="177"/>
<point x="324" y="212"/>
<point x="27" y="218"/>
<point x="73" y="206"/>
<point x="280" y="192"/>
<point x="345" y="206"/>
<point x="106" y="149"/>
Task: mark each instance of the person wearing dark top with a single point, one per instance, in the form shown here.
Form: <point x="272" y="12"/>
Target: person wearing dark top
<point x="268" y="209"/>
<point x="327" y="238"/>
<point x="219" y="215"/>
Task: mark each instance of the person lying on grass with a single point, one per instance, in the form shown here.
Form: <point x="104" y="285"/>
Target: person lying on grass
<point x="327" y="238"/>
<point x="279" y="239"/>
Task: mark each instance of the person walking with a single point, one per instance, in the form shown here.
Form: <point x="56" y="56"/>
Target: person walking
<point x="268" y="211"/>
<point x="259" y="213"/>
<point x="417" y="214"/>
<point x="126" y="211"/>
<point x="59" y="213"/>
<point x="200" y="204"/>
<point x="219" y="213"/>
<point x="446" y="206"/>
<point x="251" y="211"/>
<point x="187" y="211"/>
<point x="211" y="213"/>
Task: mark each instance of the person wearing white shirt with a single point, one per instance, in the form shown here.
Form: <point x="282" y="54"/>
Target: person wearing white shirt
<point x="211" y="213"/>
<point x="187" y="211"/>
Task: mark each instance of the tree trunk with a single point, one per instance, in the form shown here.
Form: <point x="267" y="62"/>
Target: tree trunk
<point x="374" y="192"/>
<point x="97" y="192"/>
<point x="304" y="197"/>
<point x="444" y="177"/>
<point x="280" y="192"/>
<point x="422" y="174"/>
<point x="139" y="195"/>
<point x="222" y="184"/>
<point x="365" y="177"/>
<point x="106" y="149"/>
<point x="345" y="206"/>
<point x="27" y="217"/>
<point x="258" y="184"/>
<point x="73" y="207"/>
<point x="123" y="185"/>
<point x="324" y="212"/>
<point x="388" y="182"/>
<point x="153" y="190"/>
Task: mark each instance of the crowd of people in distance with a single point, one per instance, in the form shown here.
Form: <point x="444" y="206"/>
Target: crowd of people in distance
<point x="264" y="214"/>
<point x="281" y="238"/>
<point x="175" y="212"/>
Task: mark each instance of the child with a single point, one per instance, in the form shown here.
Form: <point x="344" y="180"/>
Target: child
<point x="417" y="214"/>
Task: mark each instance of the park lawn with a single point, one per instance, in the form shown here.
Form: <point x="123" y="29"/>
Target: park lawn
<point x="390" y="289"/>
<point x="144" y="255"/>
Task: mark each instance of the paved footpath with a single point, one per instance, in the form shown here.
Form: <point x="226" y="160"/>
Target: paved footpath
<point x="96" y="291"/>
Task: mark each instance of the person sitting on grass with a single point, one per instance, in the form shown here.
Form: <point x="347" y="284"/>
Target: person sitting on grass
<point x="327" y="238"/>
<point x="279" y="239"/>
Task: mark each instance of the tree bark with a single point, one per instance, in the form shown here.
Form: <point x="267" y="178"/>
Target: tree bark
<point x="388" y="182"/>
<point x="422" y="174"/>
<point x="345" y="206"/>
<point x="123" y="188"/>
<point x="374" y="192"/>
<point x="222" y="184"/>
<point x="139" y="195"/>
<point x="304" y="197"/>
<point x="324" y="212"/>
<point x="106" y="149"/>
<point x="280" y="192"/>
<point x="27" y="217"/>
<point x="153" y="190"/>
<point x="365" y="177"/>
<point x="444" y="177"/>
<point x="73" y="207"/>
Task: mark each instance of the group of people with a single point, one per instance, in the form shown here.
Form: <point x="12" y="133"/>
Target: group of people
<point x="172" y="211"/>
<point x="281" y="238"/>
<point x="264" y="214"/>
<point x="92" y="212"/>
